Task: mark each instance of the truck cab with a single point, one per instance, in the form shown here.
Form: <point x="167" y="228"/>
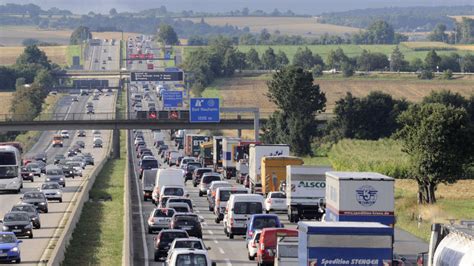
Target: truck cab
<point x="57" y="141"/>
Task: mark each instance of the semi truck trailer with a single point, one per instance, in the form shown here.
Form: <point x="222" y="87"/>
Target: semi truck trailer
<point x="256" y="152"/>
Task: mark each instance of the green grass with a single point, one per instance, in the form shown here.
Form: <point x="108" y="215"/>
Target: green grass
<point x="74" y="50"/>
<point x="98" y="237"/>
<point x="213" y="91"/>
<point x="319" y="161"/>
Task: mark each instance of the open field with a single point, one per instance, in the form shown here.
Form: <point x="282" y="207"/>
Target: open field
<point x="307" y="27"/>
<point x="5" y="102"/>
<point x="57" y="54"/>
<point x="459" y="18"/>
<point x="14" y="35"/>
<point x="249" y="91"/>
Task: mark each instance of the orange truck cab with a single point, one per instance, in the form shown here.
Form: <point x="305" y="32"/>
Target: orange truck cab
<point x="268" y="241"/>
<point x="57" y="141"/>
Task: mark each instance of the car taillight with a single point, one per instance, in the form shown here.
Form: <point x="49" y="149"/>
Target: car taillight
<point x="231" y="221"/>
<point x="250" y="233"/>
<point x="269" y="201"/>
<point x="420" y="261"/>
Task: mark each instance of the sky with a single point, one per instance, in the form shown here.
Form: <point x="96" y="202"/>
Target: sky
<point x="310" y="7"/>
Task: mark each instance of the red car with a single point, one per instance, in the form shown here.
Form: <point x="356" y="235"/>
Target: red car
<point x="267" y="244"/>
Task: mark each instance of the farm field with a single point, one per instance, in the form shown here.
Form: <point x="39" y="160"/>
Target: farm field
<point x="14" y="35"/>
<point x="459" y="18"/>
<point x="249" y="91"/>
<point x="307" y="27"/>
<point x="5" y="102"/>
<point x="411" y="50"/>
<point x="57" y="54"/>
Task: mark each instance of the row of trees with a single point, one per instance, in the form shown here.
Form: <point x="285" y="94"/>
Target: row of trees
<point x="437" y="134"/>
<point x="463" y="33"/>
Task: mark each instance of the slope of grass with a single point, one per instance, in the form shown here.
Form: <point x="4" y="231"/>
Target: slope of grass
<point x="98" y="237"/>
<point x="74" y="50"/>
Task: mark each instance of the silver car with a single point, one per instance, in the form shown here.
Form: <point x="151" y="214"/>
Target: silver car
<point x="55" y="175"/>
<point x="52" y="191"/>
<point x="159" y="219"/>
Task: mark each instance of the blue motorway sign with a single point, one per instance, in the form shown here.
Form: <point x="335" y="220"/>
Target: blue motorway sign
<point x="202" y="110"/>
<point x="172" y="99"/>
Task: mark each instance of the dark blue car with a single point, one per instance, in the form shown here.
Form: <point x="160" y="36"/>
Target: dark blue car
<point x="260" y="221"/>
<point x="9" y="247"/>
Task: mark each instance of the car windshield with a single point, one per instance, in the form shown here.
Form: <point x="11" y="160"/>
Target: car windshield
<point x="247" y="207"/>
<point x="191" y="259"/>
<point x="188" y="244"/>
<point x="225" y="195"/>
<point x="278" y="195"/>
<point x="173" y="191"/>
<point x="10" y="217"/>
<point x="170" y="236"/>
<point x="7" y="238"/>
<point x="192" y="166"/>
<point x="264" y="222"/>
<point x="208" y="179"/>
<point x="33" y="196"/>
<point x="164" y="213"/>
<point x="149" y="164"/>
<point x="180" y="208"/>
<point x="23" y="208"/>
<point x="54" y="172"/>
<point x="50" y="186"/>
<point x="202" y="171"/>
<point x="8" y="171"/>
<point x="32" y="165"/>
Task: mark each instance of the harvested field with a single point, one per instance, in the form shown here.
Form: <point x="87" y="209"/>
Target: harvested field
<point x="56" y="54"/>
<point x="307" y="27"/>
<point x="5" y="102"/>
<point x="459" y="18"/>
<point x="245" y="91"/>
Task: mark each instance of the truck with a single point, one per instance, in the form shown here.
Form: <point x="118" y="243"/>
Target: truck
<point x="286" y="251"/>
<point x="228" y="161"/>
<point x="217" y="152"/>
<point x="451" y="244"/>
<point x="344" y="243"/>
<point x="360" y="196"/>
<point x="273" y="171"/>
<point x="256" y="152"/>
<point x="57" y="141"/>
<point x="241" y="158"/>
<point x="205" y="155"/>
<point x="305" y="190"/>
<point x="192" y="144"/>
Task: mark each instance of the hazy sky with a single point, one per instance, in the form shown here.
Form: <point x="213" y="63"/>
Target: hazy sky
<point x="312" y="7"/>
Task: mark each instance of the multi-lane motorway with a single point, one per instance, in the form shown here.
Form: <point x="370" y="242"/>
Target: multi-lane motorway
<point x="36" y="250"/>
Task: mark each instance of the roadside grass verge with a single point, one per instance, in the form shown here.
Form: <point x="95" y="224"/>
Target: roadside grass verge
<point x="29" y="138"/>
<point x="73" y="50"/>
<point x="98" y="237"/>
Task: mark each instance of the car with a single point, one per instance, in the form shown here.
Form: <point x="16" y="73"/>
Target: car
<point x="186" y="243"/>
<point x="57" y="141"/>
<point x="159" y="219"/>
<point x="52" y="191"/>
<point x="206" y="181"/>
<point x="173" y="190"/>
<point x="53" y="92"/>
<point x="252" y="245"/>
<point x="195" y="256"/>
<point x="161" y="201"/>
<point x="98" y="143"/>
<point x="36" y="198"/>
<point x="90" y="104"/>
<point x="161" y="148"/>
<point x="26" y="174"/>
<point x="41" y="157"/>
<point x="42" y="165"/>
<point x="81" y="133"/>
<point x="89" y="159"/>
<point x="75" y="99"/>
<point x="9" y="248"/>
<point x="189" y="222"/>
<point x="275" y="201"/>
<point x="65" y="134"/>
<point x="19" y="223"/>
<point x="68" y="170"/>
<point x="189" y="169"/>
<point x="211" y="195"/>
<point x="31" y="211"/>
<point x="34" y="168"/>
<point x="76" y="166"/>
<point x="58" y="158"/>
<point x="238" y="208"/>
<point x="81" y="144"/>
<point x="173" y="158"/>
<point x="55" y="174"/>
<point x="260" y="221"/>
<point x="95" y="97"/>
<point x="163" y="242"/>
<point x="173" y="199"/>
<point x="179" y="207"/>
<point x="71" y="153"/>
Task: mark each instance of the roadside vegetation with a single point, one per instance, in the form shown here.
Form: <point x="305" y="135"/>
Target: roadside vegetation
<point x="74" y="50"/>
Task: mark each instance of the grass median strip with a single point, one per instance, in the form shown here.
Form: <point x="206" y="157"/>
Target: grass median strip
<point x="98" y="237"/>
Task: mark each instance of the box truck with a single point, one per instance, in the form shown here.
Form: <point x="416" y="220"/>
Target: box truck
<point x="205" y="154"/>
<point x="305" y="190"/>
<point x="217" y="152"/>
<point x="228" y="161"/>
<point x="344" y="243"/>
<point x="241" y="157"/>
<point x="256" y="152"/>
<point x="273" y="171"/>
<point x="360" y="196"/>
<point x="192" y="144"/>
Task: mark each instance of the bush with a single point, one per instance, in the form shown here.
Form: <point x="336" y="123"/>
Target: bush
<point x="426" y="74"/>
<point x="317" y="71"/>
<point x="448" y="74"/>
<point x="347" y="69"/>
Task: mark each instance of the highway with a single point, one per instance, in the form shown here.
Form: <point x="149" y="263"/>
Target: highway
<point x="36" y="250"/>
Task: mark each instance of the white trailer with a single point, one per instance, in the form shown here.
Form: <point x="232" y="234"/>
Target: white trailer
<point x="228" y="161"/>
<point x="256" y="152"/>
<point x="305" y="191"/>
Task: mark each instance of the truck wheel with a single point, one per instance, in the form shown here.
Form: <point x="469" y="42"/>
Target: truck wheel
<point x="231" y="236"/>
<point x="200" y="193"/>
<point x="217" y="220"/>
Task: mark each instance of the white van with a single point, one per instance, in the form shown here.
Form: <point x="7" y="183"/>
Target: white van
<point x="167" y="177"/>
<point x="222" y="196"/>
<point x="238" y="210"/>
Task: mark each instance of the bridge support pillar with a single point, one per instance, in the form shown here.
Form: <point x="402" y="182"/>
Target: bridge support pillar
<point x="239" y="131"/>
<point x="116" y="144"/>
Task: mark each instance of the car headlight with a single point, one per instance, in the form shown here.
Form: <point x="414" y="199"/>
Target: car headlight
<point x="31" y="174"/>
<point x="14" y="249"/>
<point x="42" y="203"/>
<point x="58" y="193"/>
<point x="5" y="228"/>
<point x="33" y="218"/>
<point x="62" y="179"/>
<point x="48" y="179"/>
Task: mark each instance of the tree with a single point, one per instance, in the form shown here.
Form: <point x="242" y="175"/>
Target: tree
<point x="347" y="69"/>
<point x="368" y="61"/>
<point x="252" y="59"/>
<point x="245" y="11"/>
<point x="439" y="141"/>
<point x="113" y="12"/>
<point x="30" y="42"/>
<point x="450" y="62"/>
<point x="304" y="58"/>
<point x="447" y="98"/>
<point x="293" y="92"/>
<point x="397" y="60"/>
<point x="416" y="64"/>
<point x="281" y="59"/>
<point x="467" y="63"/>
<point x="167" y="35"/>
<point x="380" y="32"/>
<point x="336" y="58"/>
<point x="269" y="59"/>
<point x="33" y="55"/>
<point x="438" y="34"/>
<point x="432" y="60"/>
<point x="264" y="35"/>
<point x="79" y="35"/>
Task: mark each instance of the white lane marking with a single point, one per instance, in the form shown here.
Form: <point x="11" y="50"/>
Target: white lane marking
<point x="210" y="232"/>
<point x="221" y="251"/>
<point x="142" y="225"/>
<point x="205" y="224"/>
<point x="228" y="263"/>
<point x="57" y="132"/>
<point x="197" y="211"/>
<point x="215" y="241"/>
